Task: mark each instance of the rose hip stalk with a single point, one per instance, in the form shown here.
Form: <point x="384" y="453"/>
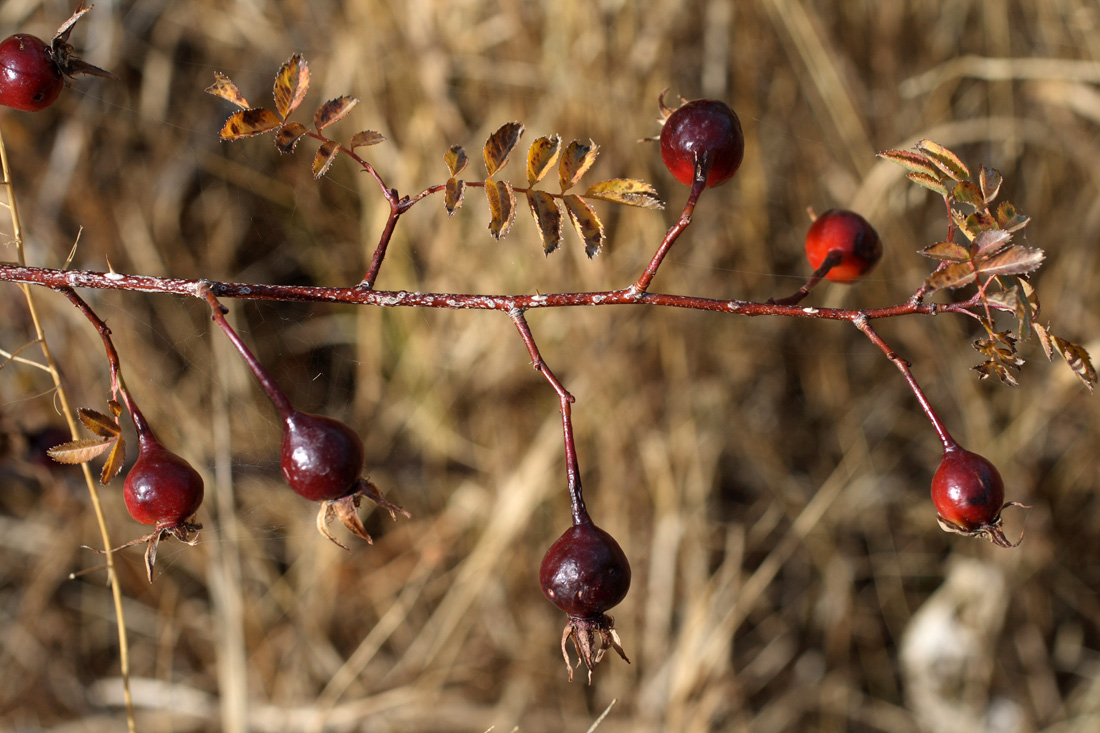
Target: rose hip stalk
<point x="322" y="458"/>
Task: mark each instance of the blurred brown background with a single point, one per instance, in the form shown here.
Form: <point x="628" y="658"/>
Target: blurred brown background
<point x="768" y="479"/>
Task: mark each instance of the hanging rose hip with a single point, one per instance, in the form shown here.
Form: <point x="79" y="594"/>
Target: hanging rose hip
<point x="704" y="132"/>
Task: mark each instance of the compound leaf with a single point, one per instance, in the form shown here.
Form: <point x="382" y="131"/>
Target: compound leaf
<point x="224" y="87"/>
<point x="291" y="85"/>
<point x="541" y="157"/>
<point x="249" y="122"/>
<point x="629" y="191"/>
<point x="325" y="155"/>
<point x="575" y="162"/>
<point x="548" y="218"/>
<point x="333" y="111"/>
<point x="286" y="139"/>
<point x="499" y="146"/>
<point x="944" y="159"/>
<point x="588" y="225"/>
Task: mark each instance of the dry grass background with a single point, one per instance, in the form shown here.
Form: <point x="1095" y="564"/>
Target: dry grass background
<point x="768" y="479"/>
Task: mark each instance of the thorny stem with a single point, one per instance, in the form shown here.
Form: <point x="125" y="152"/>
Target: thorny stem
<point x="949" y="443"/>
<point x="203" y="289"/>
<point x="70" y="419"/>
<point x="698" y="183"/>
<point x="572" y="467"/>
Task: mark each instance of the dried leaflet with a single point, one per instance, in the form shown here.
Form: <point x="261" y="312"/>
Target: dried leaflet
<point x="291" y="85"/>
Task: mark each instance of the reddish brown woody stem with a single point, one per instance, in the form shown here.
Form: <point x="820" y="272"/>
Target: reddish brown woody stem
<point x="277" y="396"/>
<point x="698" y="183"/>
<point x="572" y="467"/>
<point x="831" y="260"/>
<point x="117" y="383"/>
<point x="949" y="443"/>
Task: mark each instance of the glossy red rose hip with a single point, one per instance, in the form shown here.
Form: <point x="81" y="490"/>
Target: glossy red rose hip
<point x="30" y="79"/>
<point x="703" y="126"/>
<point x="161" y="489"/>
<point x="968" y="494"/>
<point x="322" y="458"/>
<point x="585" y="572"/>
<point x="853" y="244"/>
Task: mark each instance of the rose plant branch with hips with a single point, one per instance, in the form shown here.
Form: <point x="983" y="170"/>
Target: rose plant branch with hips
<point x="585" y="572"/>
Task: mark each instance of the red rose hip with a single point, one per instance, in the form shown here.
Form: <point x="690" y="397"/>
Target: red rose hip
<point x="968" y="494"/>
<point x="851" y="245"/>
<point x="698" y="127"/>
<point x="30" y="79"/>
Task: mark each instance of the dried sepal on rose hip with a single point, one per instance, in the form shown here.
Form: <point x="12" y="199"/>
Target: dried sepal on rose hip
<point x="33" y="73"/>
<point x="968" y="493"/>
<point x="701" y="137"/>
<point x="585" y="573"/>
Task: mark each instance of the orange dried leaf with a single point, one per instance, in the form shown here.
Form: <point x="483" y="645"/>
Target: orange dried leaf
<point x="366" y="137"/>
<point x="930" y="182"/>
<point x="456" y="159"/>
<point x="325" y="155"/>
<point x="953" y="276"/>
<point x="990" y="241"/>
<point x="249" y="122"/>
<point x="98" y="423"/>
<point x="990" y="180"/>
<point x="288" y="136"/>
<point x="944" y="159"/>
<point x="499" y="146"/>
<point x="951" y="251"/>
<point x="629" y="191"/>
<point x="548" y="218"/>
<point x="968" y="193"/>
<point x="116" y="407"/>
<point x="291" y="85"/>
<point x="1078" y="360"/>
<point x="1044" y="340"/>
<point x="502" y="207"/>
<point x="575" y="162"/>
<point x="224" y="87"/>
<point x="453" y="196"/>
<point x="588" y="225"/>
<point x="541" y="157"/>
<point x="333" y="111"/>
<point x="911" y="161"/>
<point x="1009" y="218"/>
<point x="114" y="462"/>
<point x="79" y="451"/>
<point x="1015" y="260"/>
